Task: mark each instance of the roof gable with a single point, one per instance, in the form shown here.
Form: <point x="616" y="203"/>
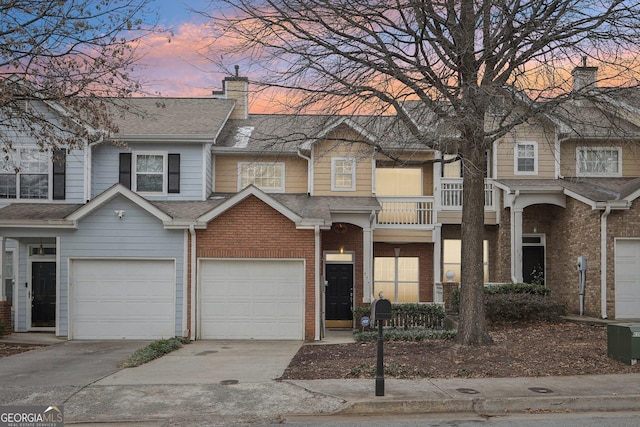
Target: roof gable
<point x="242" y="195"/>
<point x="110" y="194"/>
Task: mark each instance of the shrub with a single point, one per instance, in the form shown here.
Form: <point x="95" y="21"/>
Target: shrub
<point x="153" y="351"/>
<point x="409" y="316"/>
<point x="522" y="307"/>
<point x="404" y="335"/>
<point x="510" y="302"/>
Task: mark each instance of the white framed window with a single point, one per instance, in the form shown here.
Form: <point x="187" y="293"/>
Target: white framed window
<point x="599" y="161"/>
<point x="526" y="158"/>
<point x="452" y="256"/>
<point x="343" y="174"/>
<point x="25" y="174"/>
<point x="268" y="177"/>
<point x="150" y="172"/>
<point x="398" y="278"/>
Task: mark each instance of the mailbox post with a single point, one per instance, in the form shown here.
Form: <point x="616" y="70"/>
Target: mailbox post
<point x="380" y="310"/>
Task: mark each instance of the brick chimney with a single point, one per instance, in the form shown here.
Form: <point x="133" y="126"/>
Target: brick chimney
<point x="584" y="78"/>
<point x="236" y="88"/>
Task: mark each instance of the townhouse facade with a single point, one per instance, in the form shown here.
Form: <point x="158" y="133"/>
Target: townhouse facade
<point x="208" y="222"/>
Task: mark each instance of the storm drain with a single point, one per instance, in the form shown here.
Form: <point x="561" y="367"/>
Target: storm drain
<point x="542" y="390"/>
<point x="467" y="391"/>
<point x="229" y="382"/>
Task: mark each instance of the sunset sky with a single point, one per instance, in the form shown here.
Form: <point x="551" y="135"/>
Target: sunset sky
<point x="177" y="67"/>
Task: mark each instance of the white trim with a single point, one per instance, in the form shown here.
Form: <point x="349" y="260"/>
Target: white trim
<point x="334" y="186"/>
<point x="281" y="165"/>
<point x="516" y="157"/>
<point x="598" y="148"/>
<point x="134" y="172"/>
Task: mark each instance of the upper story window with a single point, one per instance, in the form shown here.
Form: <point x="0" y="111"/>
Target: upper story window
<point x="343" y="174"/>
<point x="599" y="161"/>
<point x="150" y="172"/>
<point x="398" y="182"/>
<point x="451" y="169"/>
<point x="526" y="158"/>
<point x="266" y="176"/>
<point x="27" y="173"/>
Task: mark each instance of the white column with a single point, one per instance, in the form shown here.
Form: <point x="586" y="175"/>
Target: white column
<point x="516" y="244"/>
<point x="367" y="264"/>
<point x="437" y="264"/>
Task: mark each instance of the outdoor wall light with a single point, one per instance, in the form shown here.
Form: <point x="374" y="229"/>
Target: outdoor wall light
<point x="341" y="249"/>
<point x="120" y="213"/>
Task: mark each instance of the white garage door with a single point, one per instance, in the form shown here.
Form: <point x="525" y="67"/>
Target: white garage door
<point x="252" y="299"/>
<point x="627" y="279"/>
<point x="116" y="299"/>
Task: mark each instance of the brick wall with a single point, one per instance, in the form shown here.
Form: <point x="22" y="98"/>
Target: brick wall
<point x="252" y="229"/>
<point x="5" y="317"/>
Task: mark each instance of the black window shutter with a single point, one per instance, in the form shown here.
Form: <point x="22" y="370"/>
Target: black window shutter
<point x="59" y="174"/>
<point x="125" y="169"/>
<point x="173" y="174"/>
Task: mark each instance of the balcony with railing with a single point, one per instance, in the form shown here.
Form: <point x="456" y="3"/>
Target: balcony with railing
<point x="451" y="194"/>
<point x="406" y="212"/>
<point x="419" y="212"/>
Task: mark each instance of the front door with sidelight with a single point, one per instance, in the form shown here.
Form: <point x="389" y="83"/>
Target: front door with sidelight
<point x="339" y="295"/>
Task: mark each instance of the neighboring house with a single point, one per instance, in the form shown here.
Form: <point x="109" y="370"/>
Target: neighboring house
<point x="205" y="221"/>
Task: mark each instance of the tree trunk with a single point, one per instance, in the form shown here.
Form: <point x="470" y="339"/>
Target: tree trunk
<point x="472" y="328"/>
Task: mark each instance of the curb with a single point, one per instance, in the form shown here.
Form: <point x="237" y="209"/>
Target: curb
<point x="498" y="405"/>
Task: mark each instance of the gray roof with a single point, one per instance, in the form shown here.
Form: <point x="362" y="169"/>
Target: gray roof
<point x="37" y="211"/>
<point x="595" y="189"/>
<point x="171" y="116"/>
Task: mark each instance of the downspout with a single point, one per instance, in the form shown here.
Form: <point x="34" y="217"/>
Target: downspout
<point x="192" y="280"/>
<point x="316" y="231"/>
<point x="603" y="261"/>
<point x="309" y="172"/>
<point x="514" y="279"/>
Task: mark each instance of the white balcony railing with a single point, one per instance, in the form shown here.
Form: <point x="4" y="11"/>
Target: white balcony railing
<point x="409" y="212"/>
<point x="451" y="194"/>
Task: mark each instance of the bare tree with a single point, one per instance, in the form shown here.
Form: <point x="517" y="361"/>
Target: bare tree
<point x="441" y="66"/>
<point x="60" y="61"/>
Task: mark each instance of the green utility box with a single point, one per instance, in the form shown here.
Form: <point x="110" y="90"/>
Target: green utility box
<point x="623" y="342"/>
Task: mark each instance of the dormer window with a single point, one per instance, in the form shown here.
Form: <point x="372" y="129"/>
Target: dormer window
<point x="526" y="158"/>
<point x="599" y="161"/>
<point x="268" y="177"/>
<point x="343" y="174"/>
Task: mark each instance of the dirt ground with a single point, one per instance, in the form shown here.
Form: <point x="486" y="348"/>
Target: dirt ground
<point x="9" y="349"/>
<point x="518" y="351"/>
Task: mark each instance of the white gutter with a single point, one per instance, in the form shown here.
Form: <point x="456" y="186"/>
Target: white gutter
<point x="317" y="283"/>
<point x="309" y="172"/>
<point x="603" y="261"/>
<point x="194" y="294"/>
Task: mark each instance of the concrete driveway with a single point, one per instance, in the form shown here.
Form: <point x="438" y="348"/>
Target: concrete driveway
<point x="66" y="363"/>
<point x="213" y="362"/>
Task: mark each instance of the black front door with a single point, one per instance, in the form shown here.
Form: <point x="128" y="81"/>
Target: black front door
<point x="533" y="264"/>
<point x="43" y="294"/>
<point x="339" y="293"/>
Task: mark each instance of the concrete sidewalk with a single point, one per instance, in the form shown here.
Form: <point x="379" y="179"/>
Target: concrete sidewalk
<point x="222" y="383"/>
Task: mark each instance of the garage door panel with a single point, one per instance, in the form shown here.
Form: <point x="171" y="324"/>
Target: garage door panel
<point x="252" y="299"/>
<point x="130" y="299"/>
<point x="627" y="279"/>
